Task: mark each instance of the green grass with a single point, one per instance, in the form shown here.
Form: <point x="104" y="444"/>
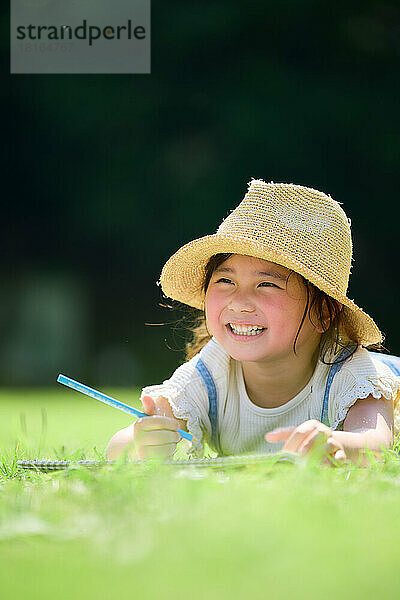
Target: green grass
<point x="53" y="423"/>
<point x="273" y="531"/>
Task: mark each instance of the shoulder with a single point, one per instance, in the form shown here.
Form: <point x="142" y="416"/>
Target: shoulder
<point x="212" y="355"/>
<point x="215" y="357"/>
<point x="187" y="375"/>
<point x="361" y="376"/>
<point x="366" y="365"/>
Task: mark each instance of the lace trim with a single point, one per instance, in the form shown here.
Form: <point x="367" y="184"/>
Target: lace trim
<point x="196" y="448"/>
<point x="377" y="387"/>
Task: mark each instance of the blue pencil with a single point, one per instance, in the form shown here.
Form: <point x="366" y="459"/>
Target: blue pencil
<point x="84" y="389"/>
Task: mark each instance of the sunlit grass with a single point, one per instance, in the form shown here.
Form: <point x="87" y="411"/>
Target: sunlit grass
<point x="60" y="423"/>
<point x="275" y="531"/>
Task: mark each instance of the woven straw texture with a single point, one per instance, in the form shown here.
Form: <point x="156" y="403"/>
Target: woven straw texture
<point x="297" y="227"/>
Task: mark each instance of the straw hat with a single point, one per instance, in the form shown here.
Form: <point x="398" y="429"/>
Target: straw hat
<point x="294" y="226"/>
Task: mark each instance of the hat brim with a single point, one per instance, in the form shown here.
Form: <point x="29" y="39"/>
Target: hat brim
<point x="183" y="275"/>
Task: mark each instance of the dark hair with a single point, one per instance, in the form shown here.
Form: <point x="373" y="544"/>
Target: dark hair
<point x="319" y="306"/>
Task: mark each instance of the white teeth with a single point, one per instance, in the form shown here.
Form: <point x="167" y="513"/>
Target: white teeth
<point x="246" y="329"/>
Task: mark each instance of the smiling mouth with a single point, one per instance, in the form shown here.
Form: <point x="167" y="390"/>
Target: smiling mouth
<point x="245" y="330"/>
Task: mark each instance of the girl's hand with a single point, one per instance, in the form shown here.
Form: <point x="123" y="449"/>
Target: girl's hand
<point x="156" y="435"/>
<point x="303" y="438"/>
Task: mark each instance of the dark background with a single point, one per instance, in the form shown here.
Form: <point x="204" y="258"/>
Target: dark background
<point x="105" y="176"/>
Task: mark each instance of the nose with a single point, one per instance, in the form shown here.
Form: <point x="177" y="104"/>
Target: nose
<point x="241" y="302"/>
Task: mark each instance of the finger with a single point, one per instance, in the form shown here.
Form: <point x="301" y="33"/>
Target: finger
<point x="333" y="446"/>
<point x="309" y="441"/>
<point x="163" y="407"/>
<point x="300" y="434"/>
<point x="320" y="435"/>
<point x="279" y="434"/>
<point x="155" y="422"/>
<point x="340" y="455"/>
<point x="295" y="441"/>
<point x="315" y="433"/>
<point x="327" y="446"/>
<point x="165" y="451"/>
<point x="333" y="459"/>
<point x="325" y="449"/>
<point x="284" y="433"/>
<point x="149" y="406"/>
<point x="159" y="438"/>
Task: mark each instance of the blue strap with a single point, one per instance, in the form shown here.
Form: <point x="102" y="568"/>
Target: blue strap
<point x="335" y="368"/>
<point x="212" y="403"/>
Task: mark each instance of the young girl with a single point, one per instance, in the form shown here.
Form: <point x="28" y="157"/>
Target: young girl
<point x="279" y="359"/>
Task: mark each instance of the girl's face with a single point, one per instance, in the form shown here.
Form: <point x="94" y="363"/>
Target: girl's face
<point x="254" y="311"/>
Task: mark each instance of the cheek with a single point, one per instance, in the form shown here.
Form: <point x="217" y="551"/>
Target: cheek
<point x="213" y="306"/>
<point x="284" y="314"/>
<point x="210" y="308"/>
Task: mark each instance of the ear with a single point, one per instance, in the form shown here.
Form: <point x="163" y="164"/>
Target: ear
<point x="324" y="325"/>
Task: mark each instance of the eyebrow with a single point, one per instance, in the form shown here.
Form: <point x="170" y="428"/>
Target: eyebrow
<point x="273" y="274"/>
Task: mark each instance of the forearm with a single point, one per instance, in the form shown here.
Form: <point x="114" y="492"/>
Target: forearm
<point x="355" y="442"/>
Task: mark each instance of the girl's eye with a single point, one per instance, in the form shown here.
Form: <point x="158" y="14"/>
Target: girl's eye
<point x="223" y="280"/>
<point x="268" y="284"/>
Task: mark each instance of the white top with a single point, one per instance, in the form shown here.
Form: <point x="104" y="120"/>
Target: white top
<point x="243" y="424"/>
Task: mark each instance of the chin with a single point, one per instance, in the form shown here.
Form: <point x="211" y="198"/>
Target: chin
<point x="246" y="356"/>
